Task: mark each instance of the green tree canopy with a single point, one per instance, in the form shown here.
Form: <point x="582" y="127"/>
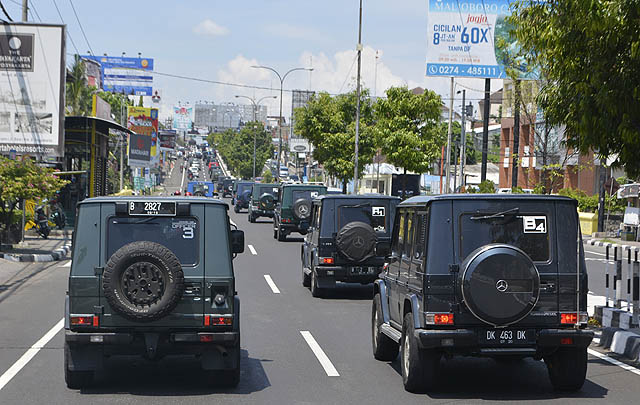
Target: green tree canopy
<point x="78" y="93"/>
<point x="589" y="53"/>
<point x="236" y="149"/>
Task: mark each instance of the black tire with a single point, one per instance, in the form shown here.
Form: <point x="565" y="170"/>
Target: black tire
<point x="75" y="379"/>
<point x="282" y="237"/>
<point x="267" y="201"/>
<point x="419" y="367"/>
<point x="301" y="209"/>
<point x="567" y="368"/>
<point x="275" y="232"/>
<point x="316" y="291"/>
<point x="236" y="209"/>
<point x="129" y="268"/>
<point x="229" y="378"/>
<point x="198" y="194"/>
<point x="356" y="241"/>
<point x="384" y="348"/>
<point x="306" y="279"/>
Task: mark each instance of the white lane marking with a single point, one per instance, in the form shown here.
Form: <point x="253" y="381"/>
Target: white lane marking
<point x="30" y="354"/>
<point x="273" y="285"/>
<point x="320" y="355"/>
<point x="598" y="253"/>
<point x="252" y="249"/>
<point x="613" y="361"/>
<point x="67" y="264"/>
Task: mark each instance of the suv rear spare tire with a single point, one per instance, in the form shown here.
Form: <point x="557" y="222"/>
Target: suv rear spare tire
<point x="302" y="209"/>
<point x="500" y="284"/>
<point x="267" y="201"/>
<point x="356" y="241"/>
<point x="143" y="281"/>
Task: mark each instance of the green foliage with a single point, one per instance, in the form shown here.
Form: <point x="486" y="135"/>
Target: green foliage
<point x="585" y="203"/>
<point x="487" y="187"/>
<point x="329" y="124"/>
<point x="267" y="176"/>
<point x="539" y="189"/>
<point x="408" y="128"/>
<point x="78" y="95"/>
<point x="456" y="134"/>
<point x="118" y="103"/>
<point x="24" y="180"/>
<point x="591" y="88"/>
<point x="236" y="148"/>
<point x="517" y="190"/>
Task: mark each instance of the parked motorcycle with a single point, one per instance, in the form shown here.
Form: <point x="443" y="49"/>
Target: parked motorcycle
<point x="57" y="216"/>
<point x="42" y="222"/>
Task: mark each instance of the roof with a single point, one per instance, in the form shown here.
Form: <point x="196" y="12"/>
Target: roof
<point x="302" y="185"/>
<point x="266" y="184"/>
<point x="102" y="126"/>
<point x="356" y="197"/>
<point x="199" y="200"/>
<point x="421" y="200"/>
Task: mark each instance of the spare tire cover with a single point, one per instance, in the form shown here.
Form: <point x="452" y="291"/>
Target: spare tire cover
<point x="244" y="197"/>
<point x="356" y="241"/>
<point x="198" y="194"/>
<point x="500" y="284"/>
<point x="302" y="208"/>
<point x="143" y="281"/>
<point x="267" y="201"/>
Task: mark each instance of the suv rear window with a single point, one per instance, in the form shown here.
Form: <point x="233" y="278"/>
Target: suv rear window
<point x="244" y="187"/>
<point x="372" y="214"/>
<point x="526" y="232"/>
<point x="179" y="234"/>
<point x="273" y="190"/>
<point x="304" y="194"/>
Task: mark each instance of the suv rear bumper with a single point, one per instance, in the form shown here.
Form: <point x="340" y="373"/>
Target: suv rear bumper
<point x="344" y="273"/>
<point x="466" y="341"/>
<point x="294" y="227"/>
<point x="257" y="212"/>
<point x="128" y="340"/>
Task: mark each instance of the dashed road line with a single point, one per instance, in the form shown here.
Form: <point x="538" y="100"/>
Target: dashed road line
<point x="273" y="285"/>
<point x="30" y="354"/>
<point x="613" y="361"/>
<point x="320" y="354"/>
<point x="252" y="249"/>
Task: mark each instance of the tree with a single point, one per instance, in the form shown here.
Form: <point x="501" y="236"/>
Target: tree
<point x="118" y="103"/>
<point x="236" y="149"/>
<point x="408" y="127"/>
<point x="329" y="124"/>
<point x="78" y="93"/>
<point x="267" y="176"/>
<point x="23" y="180"/>
<point x="591" y="88"/>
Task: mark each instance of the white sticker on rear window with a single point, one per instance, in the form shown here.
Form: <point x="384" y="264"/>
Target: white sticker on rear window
<point x="377" y="211"/>
<point x="533" y="224"/>
<point x="314" y="194"/>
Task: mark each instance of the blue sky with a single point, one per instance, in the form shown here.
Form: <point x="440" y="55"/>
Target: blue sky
<point x="220" y="40"/>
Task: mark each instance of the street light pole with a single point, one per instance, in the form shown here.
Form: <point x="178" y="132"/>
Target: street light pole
<point x="255" y="111"/>
<point x="280" y="116"/>
<point x="355" y="161"/>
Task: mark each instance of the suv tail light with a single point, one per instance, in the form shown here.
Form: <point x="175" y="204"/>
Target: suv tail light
<point x="571" y="318"/>
<point x="211" y="320"/>
<point x="85" y="320"/>
<point x="438" y="319"/>
<point x="326" y="260"/>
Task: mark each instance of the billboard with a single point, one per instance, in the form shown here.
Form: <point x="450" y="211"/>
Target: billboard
<point x="139" y="150"/>
<point x="126" y="75"/>
<point x="32" y="89"/>
<point x="463" y="38"/>
<point x="182" y="118"/>
<point x="144" y="121"/>
<point x="167" y="140"/>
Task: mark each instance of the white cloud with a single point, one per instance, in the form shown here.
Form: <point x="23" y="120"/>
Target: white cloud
<point x="210" y="28"/>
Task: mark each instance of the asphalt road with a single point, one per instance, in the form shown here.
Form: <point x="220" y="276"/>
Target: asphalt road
<point x="280" y="322"/>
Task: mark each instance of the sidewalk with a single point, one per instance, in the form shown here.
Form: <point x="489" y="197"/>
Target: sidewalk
<point x="36" y="249"/>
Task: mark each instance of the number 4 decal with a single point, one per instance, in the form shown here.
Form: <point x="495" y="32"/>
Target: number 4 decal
<point x="533" y="224"/>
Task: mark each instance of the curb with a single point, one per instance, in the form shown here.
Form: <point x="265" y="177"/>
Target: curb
<point x="621" y="342"/>
<point x="56" y="255"/>
<point x="597" y="242"/>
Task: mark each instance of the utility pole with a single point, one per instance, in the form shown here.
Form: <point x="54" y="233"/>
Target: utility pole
<point x="359" y="48"/>
<point x="447" y="156"/>
<point x="25" y="10"/>
<point x="255" y="129"/>
<point x="516" y="134"/>
<point x="485" y="129"/>
<point x="463" y="140"/>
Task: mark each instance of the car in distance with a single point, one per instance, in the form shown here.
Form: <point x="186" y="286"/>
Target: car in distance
<point x="227" y="187"/>
<point x="348" y="240"/>
<point x="201" y="189"/>
<point x="241" y="195"/>
<point x="141" y="284"/>
<point x="264" y="197"/>
<point x="294" y="208"/>
<point x="498" y="275"/>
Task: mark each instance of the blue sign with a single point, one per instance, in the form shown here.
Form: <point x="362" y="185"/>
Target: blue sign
<point x="126" y="75"/>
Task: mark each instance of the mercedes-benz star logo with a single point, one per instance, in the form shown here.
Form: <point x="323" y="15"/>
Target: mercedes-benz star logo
<point x="302" y="209"/>
<point x="358" y="242"/>
<point x="502" y="285"/>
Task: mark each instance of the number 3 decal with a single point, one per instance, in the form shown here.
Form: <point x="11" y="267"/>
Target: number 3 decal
<point x="187" y="232"/>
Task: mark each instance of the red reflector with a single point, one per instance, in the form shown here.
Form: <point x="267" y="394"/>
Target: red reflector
<point x="220" y="320"/>
<point x="206" y="338"/>
<point x="82" y="320"/>
<point x="443" y="319"/>
<point x="571" y="317"/>
<point x="207" y="320"/>
<point x="327" y="260"/>
<point x="566" y="341"/>
<point x="96" y="320"/>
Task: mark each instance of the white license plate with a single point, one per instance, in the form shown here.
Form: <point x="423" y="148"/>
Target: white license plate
<point x="362" y="270"/>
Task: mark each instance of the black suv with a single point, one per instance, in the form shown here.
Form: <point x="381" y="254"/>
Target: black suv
<point x="227" y="187"/>
<point x="348" y="240"/>
<point x="241" y="195"/>
<point x="141" y="284"/>
<point x="264" y="197"/>
<point x="499" y="276"/>
<point x="294" y="208"/>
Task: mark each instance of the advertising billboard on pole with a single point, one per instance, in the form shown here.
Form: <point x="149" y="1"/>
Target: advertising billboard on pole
<point x="144" y="121"/>
<point x="167" y="140"/>
<point x="464" y="38"/>
<point x="126" y="75"/>
<point x="32" y="89"/>
<point x="182" y="118"/>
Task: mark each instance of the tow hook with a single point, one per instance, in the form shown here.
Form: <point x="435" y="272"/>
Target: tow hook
<point x="151" y="343"/>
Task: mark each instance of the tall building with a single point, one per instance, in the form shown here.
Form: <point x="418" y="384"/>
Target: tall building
<point x="228" y="115"/>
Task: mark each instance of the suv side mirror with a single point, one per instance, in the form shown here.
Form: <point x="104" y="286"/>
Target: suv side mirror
<point x="237" y="241"/>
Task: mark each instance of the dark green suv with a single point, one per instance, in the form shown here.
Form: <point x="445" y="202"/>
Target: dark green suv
<point x="141" y="284"/>
<point x="294" y="209"/>
<point x="263" y="201"/>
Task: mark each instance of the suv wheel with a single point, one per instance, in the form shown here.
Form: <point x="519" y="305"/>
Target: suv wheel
<point x="75" y="379"/>
<point x="281" y="235"/>
<point x="384" y="348"/>
<point x="419" y="367"/>
<point x="306" y="279"/>
<point x="316" y="291"/>
<point x="567" y="368"/>
<point x="235" y="208"/>
<point x="275" y="230"/>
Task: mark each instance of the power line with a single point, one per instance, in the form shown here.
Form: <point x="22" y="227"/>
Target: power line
<point x="81" y="28"/>
<point x="5" y="12"/>
<point x="68" y="33"/>
<point x="348" y="73"/>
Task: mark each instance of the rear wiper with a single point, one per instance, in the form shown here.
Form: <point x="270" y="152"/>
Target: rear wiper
<point x="497" y="215"/>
